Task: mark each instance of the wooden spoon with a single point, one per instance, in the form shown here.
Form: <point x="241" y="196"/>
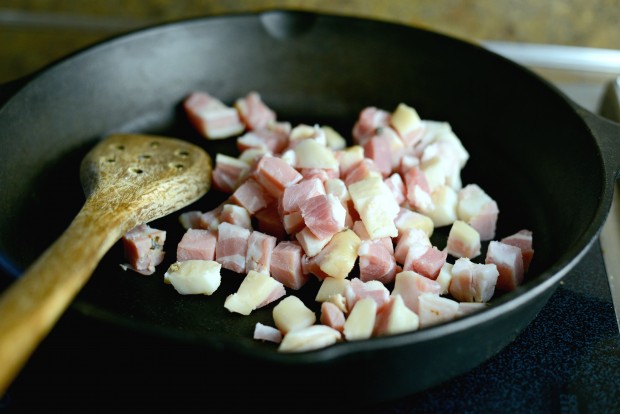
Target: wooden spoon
<point x="128" y="180"/>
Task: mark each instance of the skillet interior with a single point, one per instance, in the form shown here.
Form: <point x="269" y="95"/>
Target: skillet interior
<point x="528" y="148"/>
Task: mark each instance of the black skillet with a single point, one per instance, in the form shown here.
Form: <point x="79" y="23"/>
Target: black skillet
<point x="549" y="163"/>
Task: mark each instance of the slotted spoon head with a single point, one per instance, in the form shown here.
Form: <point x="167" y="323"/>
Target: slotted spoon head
<point x="144" y="176"/>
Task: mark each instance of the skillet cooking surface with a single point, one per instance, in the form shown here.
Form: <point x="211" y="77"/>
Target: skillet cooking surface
<point x="528" y="149"/>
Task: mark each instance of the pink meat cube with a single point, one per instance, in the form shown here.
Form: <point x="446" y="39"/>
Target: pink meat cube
<point x="378" y="149"/>
<point x="297" y="193"/>
<point x="268" y="221"/>
<point x="376" y="262"/>
<point x="197" y="244"/>
<point x="410" y="285"/>
<point x="143" y="247"/>
<point x="364" y="169"/>
<point x="232" y="246"/>
<point x="253" y="111"/>
<point x="523" y="240"/>
<point x="267" y="333"/>
<point x="286" y="265"/>
<point x="228" y="173"/>
<point x="413" y="243"/>
<point x="332" y="316"/>
<point x="234" y="214"/>
<point x="397" y="186"/>
<point x="274" y="174"/>
<point x="427" y="264"/>
<point x="252" y="196"/>
<point x="473" y="282"/>
<point x="359" y="289"/>
<point x="418" y="190"/>
<point x="260" y="248"/>
<point x="211" y="117"/>
<point x="369" y="120"/>
<point x="323" y="215"/>
<point x="509" y="262"/>
<point x="269" y="139"/>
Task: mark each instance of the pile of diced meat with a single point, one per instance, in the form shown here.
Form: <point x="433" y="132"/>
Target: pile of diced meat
<point x="302" y="204"/>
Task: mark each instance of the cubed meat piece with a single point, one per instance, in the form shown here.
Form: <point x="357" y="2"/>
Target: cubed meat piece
<point x="473" y="282"/>
<point x="270" y="139"/>
<point x="410" y="285"/>
<point x="407" y="123"/>
<point x="234" y="214"/>
<point x="267" y="333"/>
<point x="332" y="316"/>
<point x="407" y="219"/>
<point x="212" y="118"/>
<point x="435" y="309"/>
<point x="296" y="194"/>
<point x="376" y="262"/>
<point x="357" y="290"/>
<point x="369" y="120"/>
<point x="323" y="215"/>
<point x="523" y="240"/>
<point x="378" y="149"/>
<point x="190" y="219"/>
<point x="254" y="113"/>
<point x="144" y="248"/>
<point x="255" y="291"/>
<point x="418" y="193"/>
<point x="360" y="323"/>
<point x="479" y="210"/>
<point x="232" y="246"/>
<point x="252" y="196"/>
<point x="274" y="174"/>
<point x="197" y="244"/>
<point x="413" y="243"/>
<point x="229" y="173"/>
<point x="395" y="317"/>
<point x="509" y="262"/>
<point x="427" y="264"/>
<point x="311" y="244"/>
<point x="286" y="265"/>
<point x="338" y="257"/>
<point x="376" y="206"/>
<point x="310" y="338"/>
<point x="194" y="277"/>
<point x="364" y="169"/>
<point x="348" y="158"/>
<point x="463" y="240"/>
<point x="268" y="221"/>
<point x="260" y="249"/>
<point x="397" y="186"/>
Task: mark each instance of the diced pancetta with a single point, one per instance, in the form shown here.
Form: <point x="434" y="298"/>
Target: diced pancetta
<point x="370" y="119"/>
<point x="479" y="210"/>
<point x="358" y="289"/>
<point x="197" y="244"/>
<point x="435" y="309"/>
<point x="252" y="196"/>
<point x="286" y="265"/>
<point x="323" y="215"/>
<point x="212" y="118"/>
<point x="473" y="282"/>
<point x="509" y="262"/>
<point x="376" y="262"/>
<point x="463" y="240"/>
<point x="144" y="248"/>
<point x="274" y="174"/>
<point x="377" y="149"/>
<point x="234" y="214"/>
<point x="268" y="221"/>
<point x="228" y="173"/>
<point x="231" y="247"/>
<point x="397" y="186"/>
<point x="410" y="285"/>
<point x="332" y="316"/>
<point x="395" y="317"/>
<point x="418" y="193"/>
<point x="253" y="112"/>
<point x="428" y="264"/>
<point x="523" y="240"/>
<point x="362" y="170"/>
<point x="413" y="243"/>
<point x="259" y="251"/>
<point x="190" y="219"/>
<point x="267" y="333"/>
<point x="295" y="194"/>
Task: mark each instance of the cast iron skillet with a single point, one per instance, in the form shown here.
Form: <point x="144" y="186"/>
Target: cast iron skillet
<point x="549" y="163"/>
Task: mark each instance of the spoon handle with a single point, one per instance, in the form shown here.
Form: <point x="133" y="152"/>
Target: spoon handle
<point x="33" y="303"/>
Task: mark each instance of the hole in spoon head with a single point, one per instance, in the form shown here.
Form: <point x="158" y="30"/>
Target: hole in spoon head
<point x="154" y="144"/>
<point x="182" y="153"/>
<point x="120" y="147"/>
<point x="177" y="165"/>
<point x="144" y="156"/>
<point x="135" y="170"/>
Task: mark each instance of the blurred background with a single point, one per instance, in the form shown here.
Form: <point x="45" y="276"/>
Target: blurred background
<point x="36" y="32"/>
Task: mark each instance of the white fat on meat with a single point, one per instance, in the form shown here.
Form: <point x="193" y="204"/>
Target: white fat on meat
<point x="435" y="309"/>
<point x="376" y="206"/>
<point x="194" y="277"/>
<point x="310" y="338"/>
<point x="463" y="240"/>
<point x="473" y="282"/>
<point x="410" y="285"/>
<point x="259" y="252"/>
<point x="478" y="209"/>
<point x="231" y="247"/>
<point x="267" y="333"/>
<point x="255" y="291"/>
